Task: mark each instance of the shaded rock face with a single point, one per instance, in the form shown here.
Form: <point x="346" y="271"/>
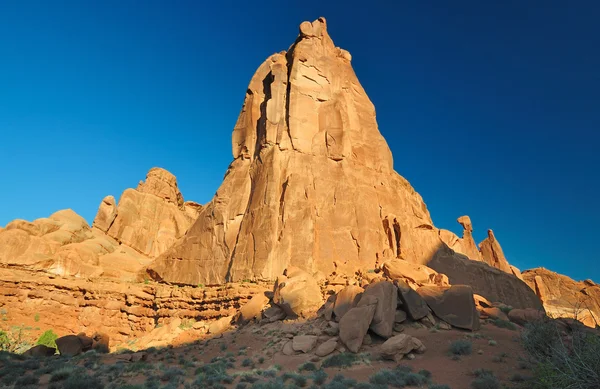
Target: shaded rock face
<point x="565" y="297"/>
<point x="312" y="181"/>
<point x="489" y="282"/>
<point x="454" y="305"/>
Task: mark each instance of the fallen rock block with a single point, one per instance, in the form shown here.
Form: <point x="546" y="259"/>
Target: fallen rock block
<point x="326" y="348"/>
<point x="396" y="347"/>
<point x="454" y="305"/>
<point x="69" y="345"/>
<point x="385" y="311"/>
<point x="304" y="343"/>
<point x="524" y="316"/>
<point x="40" y="351"/>
<point x="355" y="323"/>
<point x="412" y="303"/>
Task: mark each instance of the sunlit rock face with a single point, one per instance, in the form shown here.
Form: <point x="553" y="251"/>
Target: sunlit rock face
<point x="312" y="181"/>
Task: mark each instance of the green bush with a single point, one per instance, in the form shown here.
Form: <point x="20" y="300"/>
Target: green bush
<point x="4" y="341"/>
<point x="485" y="380"/>
<point x="344" y="360"/>
<point x="504" y="324"/>
<point x="48" y="339"/>
<point x="572" y="363"/>
<point x="461" y="347"/>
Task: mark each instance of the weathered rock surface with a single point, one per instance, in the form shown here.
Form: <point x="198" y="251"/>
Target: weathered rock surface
<point x="121" y="310"/>
<point x="492" y="253"/>
<point x="150" y="218"/>
<point x="487" y="281"/>
<point x="121" y="244"/>
<point x="252" y="310"/>
<point x="311" y="184"/>
<point x="346" y="299"/>
<point x="355" y="323"/>
<point x="524" y="316"/>
<point x="297" y="293"/>
<point x="385" y="311"/>
<point x="304" y="343"/>
<point x="455" y="305"/>
<point x="396" y="347"/>
<point x="326" y="347"/>
<point x="69" y="345"/>
<point x="412" y="303"/>
<point x="40" y="351"/>
<point x="465" y="245"/>
<point x="397" y="269"/>
<point x="564" y="297"/>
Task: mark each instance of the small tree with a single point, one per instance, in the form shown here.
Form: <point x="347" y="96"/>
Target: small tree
<point x="48" y="339"/>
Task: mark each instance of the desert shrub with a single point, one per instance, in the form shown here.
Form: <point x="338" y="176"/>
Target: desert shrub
<point x="4" y="341"/>
<point x="307" y="366"/>
<point x="461" y="347"/>
<point x="504" y="324"/>
<point x="492" y="342"/>
<point x="26" y="380"/>
<point x="399" y="377"/>
<point x="562" y="363"/>
<point x="298" y="379"/>
<point x="344" y="360"/>
<point x="172" y="374"/>
<point x="485" y="380"/>
<point x="61" y="374"/>
<point x="438" y="386"/>
<point x="319" y="377"/>
<point x="80" y="380"/>
<point x="247" y="362"/>
<point x="48" y="339"/>
<point x="506" y="308"/>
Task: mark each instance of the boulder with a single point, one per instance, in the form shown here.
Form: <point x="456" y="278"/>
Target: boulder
<point x="326" y="347"/>
<point x="412" y="303"/>
<point x="69" y="345"/>
<point x="252" y="310"/>
<point x="304" y="343"/>
<point x="524" y="316"/>
<point x="86" y="341"/>
<point x="396" y="347"/>
<point x="487" y="281"/>
<point x="219" y="326"/>
<point x="399" y="317"/>
<point x="40" y="351"/>
<point x="399" y="269"/>
<point x="455" y="305"/>
<point x="355" y="323"/>
<point x="385" y="312"/>
<point x="297" y="293"/>
<point x="346" y="299"/>
<point x="273" y="314"/>
<point x="288" y="349"/>
<point x="494" y="313"/>
<point x="101" y="342"/>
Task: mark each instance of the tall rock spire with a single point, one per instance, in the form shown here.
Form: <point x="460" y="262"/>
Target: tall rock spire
<point x="312" y="181"/>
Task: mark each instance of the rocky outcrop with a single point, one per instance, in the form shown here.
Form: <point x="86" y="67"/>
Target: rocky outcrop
<point x="297" y="293"/>
<point x="565" y="297"/>
<point x="120" y="310"/>
<point x="455" y="305"/>
<point x="487" y="281"/>
<point x="65" y="245"/>
<point x="148" y="219"/>
<point x="311" y="184"/>
<point x="492" y="253"/>
<point x="465" y="245"/>
<point x="122" y="242"/>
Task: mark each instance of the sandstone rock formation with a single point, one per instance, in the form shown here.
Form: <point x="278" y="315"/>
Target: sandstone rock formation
<point x="122" y="242"/>
<point x="297" y="293"/>
<point x="312" y="181"/>
<point x="454" y="305"/>
<point x="148" y="219"/>
<point x="465" y="245"/>
<point x="398" y="346"/>
<point x="492" y="253"/>
<point x="489" y="282"/>
<point x="564" y="297"/>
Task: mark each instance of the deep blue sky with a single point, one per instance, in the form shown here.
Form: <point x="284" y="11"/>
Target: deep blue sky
<point x="491" y="109"/>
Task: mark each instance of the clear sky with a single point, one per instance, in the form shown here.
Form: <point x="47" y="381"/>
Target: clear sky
<point x="491" y="108"/>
